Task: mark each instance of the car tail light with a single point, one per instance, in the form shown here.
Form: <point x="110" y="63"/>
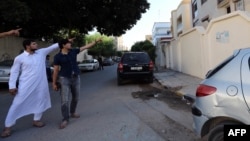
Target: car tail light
<point x="120" y="67"/>
<point x="205" y="90"/>
<point x="151" y="65"/>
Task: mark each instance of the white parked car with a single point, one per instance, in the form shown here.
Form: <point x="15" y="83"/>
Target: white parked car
<point x="89" y="65"/>
<point x="5" y="67"/>
<point x="223" y="97"/>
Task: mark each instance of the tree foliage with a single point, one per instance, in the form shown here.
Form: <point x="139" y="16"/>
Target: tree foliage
<point x="47" y="17"/>
<point x="146" y="46"/>
<point x="13" y="13"/>
<point x="104" y="48"/>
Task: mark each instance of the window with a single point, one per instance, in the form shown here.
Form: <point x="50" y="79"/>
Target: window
<point x="194" y="10"/>
<point x="206" y="18"/>
<point x="219" y="67"/>
<point x="239" y="5"/>
<point x="228" y="10"/>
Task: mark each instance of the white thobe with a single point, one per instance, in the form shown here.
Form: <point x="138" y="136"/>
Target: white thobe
<point x="33" y="95"/>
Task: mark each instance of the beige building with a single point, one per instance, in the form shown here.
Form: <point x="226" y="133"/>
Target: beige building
<point x="119" y="43"/>
<point x="148" y="37"/>
<point x="203" y="11"/>
<point x="205" y="32"/>
<point x="181" y="18"/>
<point x="161" y="37"/>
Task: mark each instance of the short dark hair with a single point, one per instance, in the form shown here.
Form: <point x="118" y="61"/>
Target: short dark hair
<point x="27" y="42"/>
<point x="63" y="42"/>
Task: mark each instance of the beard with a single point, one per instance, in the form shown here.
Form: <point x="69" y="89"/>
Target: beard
<point x="33" y="50"/>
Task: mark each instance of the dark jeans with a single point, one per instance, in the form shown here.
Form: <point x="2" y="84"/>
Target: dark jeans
<point x="69" y="86"/>
<point x="49" y="74"/>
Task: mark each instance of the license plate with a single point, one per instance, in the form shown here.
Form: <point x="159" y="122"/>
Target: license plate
<point x="136" y="68"/>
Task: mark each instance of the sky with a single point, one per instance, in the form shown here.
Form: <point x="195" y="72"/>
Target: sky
<point x="159" y="11"/>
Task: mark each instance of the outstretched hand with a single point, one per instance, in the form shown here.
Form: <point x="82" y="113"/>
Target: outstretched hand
<point x="15" y="32"/>
<point x="72" y="39"/>
<point x="98" y="40"/>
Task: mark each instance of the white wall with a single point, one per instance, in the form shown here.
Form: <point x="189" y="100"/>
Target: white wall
<point x="198" y="50"/>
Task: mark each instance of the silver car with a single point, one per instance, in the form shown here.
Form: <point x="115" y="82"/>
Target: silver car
<point x="223" y="97"/>
<point x="5" y="67"/>
<point x="89" y="65"/>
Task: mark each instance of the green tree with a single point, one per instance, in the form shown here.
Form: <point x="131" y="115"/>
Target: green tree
<point x="146" y="46"/>
<point x="105" y="48"/>
<point x="13" y="13"/>
<point x="119" y="53"/>
<point x="47" y="17"/>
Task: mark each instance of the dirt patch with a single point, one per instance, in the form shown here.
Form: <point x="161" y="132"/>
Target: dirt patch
<point x="169" y="128"/>
<point x="169" y="96"/>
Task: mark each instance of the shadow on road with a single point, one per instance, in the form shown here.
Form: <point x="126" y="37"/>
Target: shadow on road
<point x="4" y="88"/>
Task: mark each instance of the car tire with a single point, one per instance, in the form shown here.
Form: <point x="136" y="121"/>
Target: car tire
<point x="217" y="133"/>
<point x="119" y="81"/>
<point x="150" y="79"/>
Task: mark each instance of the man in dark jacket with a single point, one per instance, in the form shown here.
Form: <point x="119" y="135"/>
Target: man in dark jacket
<point x="69" y="78"/>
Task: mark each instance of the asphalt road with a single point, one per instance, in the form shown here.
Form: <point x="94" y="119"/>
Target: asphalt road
<point x="108" y="113"/>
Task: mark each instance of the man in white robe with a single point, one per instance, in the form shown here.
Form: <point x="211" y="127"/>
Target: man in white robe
<point x="32" y="95"/>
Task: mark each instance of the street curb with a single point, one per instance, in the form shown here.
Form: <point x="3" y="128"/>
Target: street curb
<point x="177" y="91"/>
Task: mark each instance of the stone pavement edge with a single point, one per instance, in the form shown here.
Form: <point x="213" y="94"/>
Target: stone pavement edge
<point x="182" y="83"/>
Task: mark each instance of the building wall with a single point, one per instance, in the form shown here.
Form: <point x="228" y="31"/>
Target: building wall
<point x="224" y="36"/>
<point x="211" y="9"/>
<point x="119" y="43"/>
<point x="174" y="23"/>
<point x="10" y="47"/>
<point x="206" y="10"/>
<point x="247" y="5"/>
<point x="181" y="18"/>
<point x="199" y="50"/>
<point x="191" y="46"/>
<point x="196" y="50"/>
<point x="161" y="31"/>
<point x="175" y="50"/>
<point x="167" y="55"/>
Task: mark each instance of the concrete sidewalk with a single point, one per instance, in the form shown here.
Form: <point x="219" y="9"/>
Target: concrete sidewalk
<point x="183" y="84"/>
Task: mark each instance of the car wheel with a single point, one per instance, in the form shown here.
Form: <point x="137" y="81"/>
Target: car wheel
<point x="217" y="133"/>
<point x="150" y="79"/>
<point x="119" y="81"/>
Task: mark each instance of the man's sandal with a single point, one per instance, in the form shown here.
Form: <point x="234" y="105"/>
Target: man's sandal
<point x="6" y="132"/>
<point x="74" y="115"/>
<point x="38" y="124"/>
<point x="63" y="124"/>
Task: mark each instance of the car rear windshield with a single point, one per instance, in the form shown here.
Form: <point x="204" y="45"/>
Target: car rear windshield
<point x="136" y="57"/>
<point x="219" y="67"/>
